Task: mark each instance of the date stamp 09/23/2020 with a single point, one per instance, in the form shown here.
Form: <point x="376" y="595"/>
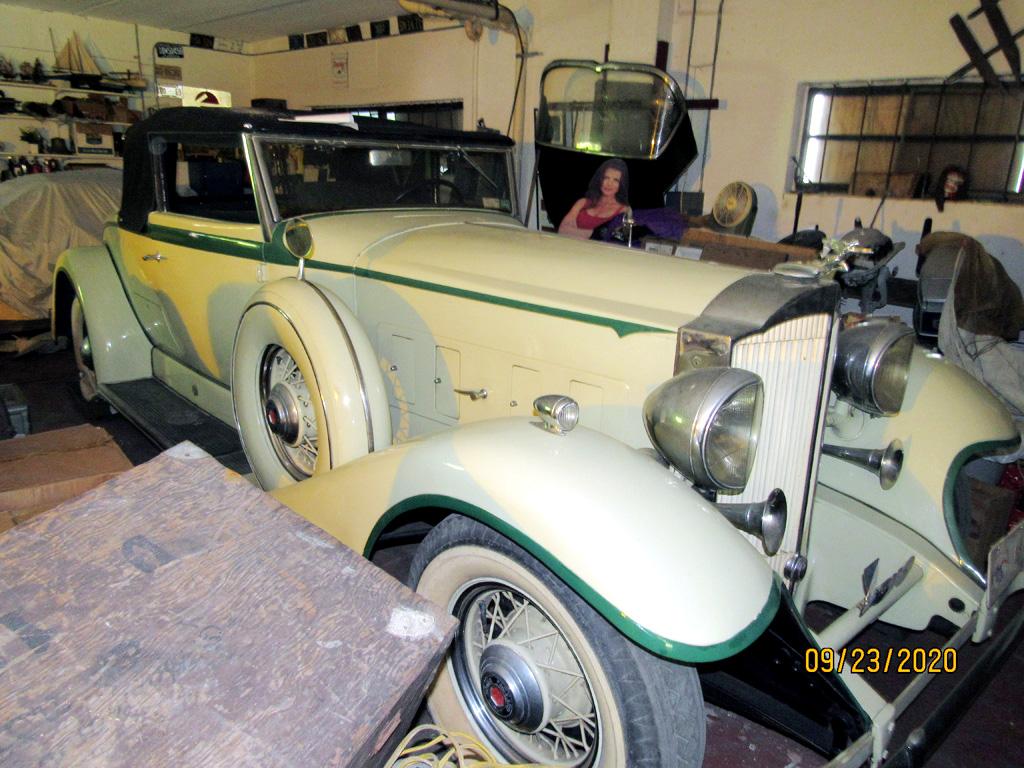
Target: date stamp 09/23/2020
<point x="884" y="660"/>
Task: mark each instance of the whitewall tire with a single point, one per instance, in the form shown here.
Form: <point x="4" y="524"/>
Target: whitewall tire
<point x="537" y="674"/>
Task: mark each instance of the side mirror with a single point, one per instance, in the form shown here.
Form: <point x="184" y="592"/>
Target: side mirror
<point x="298" y="241"/>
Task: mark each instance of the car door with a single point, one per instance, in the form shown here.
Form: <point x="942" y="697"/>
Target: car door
<point x="201" y="255"/>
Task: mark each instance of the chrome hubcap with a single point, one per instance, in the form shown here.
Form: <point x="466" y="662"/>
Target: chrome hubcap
<point x="520" y="681"/>
<point x="282" y="414"/>
<point x="288" y="413"/>
<point x="512" y="687"/>
<point x="86" y="351"/>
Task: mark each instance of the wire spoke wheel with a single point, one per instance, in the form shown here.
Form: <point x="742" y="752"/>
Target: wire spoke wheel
<point x="289" y="413"/>
<point x="521" y="680"/>
<point x="538" y="675"/>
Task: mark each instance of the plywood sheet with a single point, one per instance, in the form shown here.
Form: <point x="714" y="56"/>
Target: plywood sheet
<point x="179" y="616"/>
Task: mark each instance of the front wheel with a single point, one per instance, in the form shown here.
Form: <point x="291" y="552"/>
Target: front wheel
<point x="537" y="674"/>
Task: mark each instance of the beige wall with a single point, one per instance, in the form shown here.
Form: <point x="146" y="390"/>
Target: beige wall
<point x="429" y="66"/>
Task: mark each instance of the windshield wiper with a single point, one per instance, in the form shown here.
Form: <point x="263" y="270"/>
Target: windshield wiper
<point x="478" y="169"/>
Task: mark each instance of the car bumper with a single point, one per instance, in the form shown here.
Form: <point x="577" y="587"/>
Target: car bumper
<point x="1005" y="576"/>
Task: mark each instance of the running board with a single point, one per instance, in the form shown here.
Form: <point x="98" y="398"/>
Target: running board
<point x="167" y="419"/>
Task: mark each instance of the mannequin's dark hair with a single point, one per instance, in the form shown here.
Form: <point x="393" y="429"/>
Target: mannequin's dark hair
<point x="594" y="190"/>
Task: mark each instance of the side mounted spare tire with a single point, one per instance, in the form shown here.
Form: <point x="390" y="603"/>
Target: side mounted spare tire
<point x="307" y="391"/>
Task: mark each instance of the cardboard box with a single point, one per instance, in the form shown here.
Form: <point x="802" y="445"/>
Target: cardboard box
<point x="990" y="514"/>
<point x="94" y="139"/>
<point x="40" y="471"/>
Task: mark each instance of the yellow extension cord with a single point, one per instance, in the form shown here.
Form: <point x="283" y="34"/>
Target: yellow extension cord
<point x="428" y="746"/>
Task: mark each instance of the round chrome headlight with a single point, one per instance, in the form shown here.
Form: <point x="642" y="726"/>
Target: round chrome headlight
<point x="872" y="365"/>
<point x="705" y="422"/>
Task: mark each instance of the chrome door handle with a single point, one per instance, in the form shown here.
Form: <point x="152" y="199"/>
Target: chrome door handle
<point x="153" y="257"/>
<point x="474" y="394"/>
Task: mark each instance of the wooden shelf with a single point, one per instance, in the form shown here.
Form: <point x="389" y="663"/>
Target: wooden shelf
<point x="72" y="156"/>
<point x="88" y="91"/>
<point x="23" y="116"/>
<point x="67" y="89"/>
<point x="61" y="119"/>
<point x="29" y="155"/>
<point x="27" y="84"/>
<point x="94" y="122"/>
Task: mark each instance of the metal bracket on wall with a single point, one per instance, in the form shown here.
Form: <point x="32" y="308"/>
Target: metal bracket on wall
<point x="1005" y="42"/>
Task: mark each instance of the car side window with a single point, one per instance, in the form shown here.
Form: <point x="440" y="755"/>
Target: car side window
<point x="208" y="177"/>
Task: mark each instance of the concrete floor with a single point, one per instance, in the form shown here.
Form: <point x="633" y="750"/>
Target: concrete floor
<point x="991" y="733"/>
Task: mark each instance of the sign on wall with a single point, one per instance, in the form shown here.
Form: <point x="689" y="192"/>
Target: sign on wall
<point x="339" y="68"/>
<point x="167" y="72"/>
<point x="204" y="97"/>
<point x="228" y="46"/>
<point x="170" y="51"/>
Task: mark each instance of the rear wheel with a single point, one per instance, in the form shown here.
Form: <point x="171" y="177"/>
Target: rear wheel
<point x="537" y="674"/>
<point x="83" y="353"/>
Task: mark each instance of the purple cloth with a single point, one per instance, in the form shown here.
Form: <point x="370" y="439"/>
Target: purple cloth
<point x="662" y="222"/>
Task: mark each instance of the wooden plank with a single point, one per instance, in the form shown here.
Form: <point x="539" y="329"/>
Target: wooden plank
<point x="743" y="251"/>
<point x="179" y="616"/>
<point x="698" y="237"/>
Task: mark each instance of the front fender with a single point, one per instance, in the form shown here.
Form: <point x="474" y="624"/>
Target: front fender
<point x="120" y="349"/>
<point x="947" y="417"/>
<point x="629" y="536"/>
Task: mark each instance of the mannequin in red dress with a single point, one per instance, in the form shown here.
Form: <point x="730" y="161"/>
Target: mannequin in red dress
<point x="607" y="197"/>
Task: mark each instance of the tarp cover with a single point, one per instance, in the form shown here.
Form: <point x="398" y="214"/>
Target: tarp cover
<point x="982" y="307"/>
<point x="42" y="215"/>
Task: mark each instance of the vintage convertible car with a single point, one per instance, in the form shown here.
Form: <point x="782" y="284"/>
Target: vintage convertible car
<point x="635" y="470"/>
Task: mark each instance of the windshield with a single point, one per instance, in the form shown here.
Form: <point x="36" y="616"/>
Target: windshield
<point x="620" y="110"/>
<point x="313" y="176"/>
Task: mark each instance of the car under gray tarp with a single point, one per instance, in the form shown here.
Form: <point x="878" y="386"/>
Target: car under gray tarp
<point x="42" y="215"/>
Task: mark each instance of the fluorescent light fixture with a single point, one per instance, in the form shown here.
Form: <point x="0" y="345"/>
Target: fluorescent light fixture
<point x="1020" y="169"/>
<point x="335" y="118"/>
<point x="815" y="127"/>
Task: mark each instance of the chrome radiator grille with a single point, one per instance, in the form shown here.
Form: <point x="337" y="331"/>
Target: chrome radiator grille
<point x="795" y="362"/>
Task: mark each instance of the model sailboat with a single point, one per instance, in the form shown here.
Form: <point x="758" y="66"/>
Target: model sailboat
<point x="81" y="69"/>
<point x="79" y="65"/>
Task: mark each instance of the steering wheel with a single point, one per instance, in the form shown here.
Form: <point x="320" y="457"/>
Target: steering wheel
<point x="457" y="197"/>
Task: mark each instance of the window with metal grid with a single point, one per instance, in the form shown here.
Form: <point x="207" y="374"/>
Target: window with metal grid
<point x="900" y="139"/>
<point x="434" y="114"/>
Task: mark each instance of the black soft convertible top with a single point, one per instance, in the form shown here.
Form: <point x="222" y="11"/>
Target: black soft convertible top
<point x="139" y="191"/>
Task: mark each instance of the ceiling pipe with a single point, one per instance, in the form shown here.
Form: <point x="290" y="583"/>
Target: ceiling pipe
<point x="499" y="18"/>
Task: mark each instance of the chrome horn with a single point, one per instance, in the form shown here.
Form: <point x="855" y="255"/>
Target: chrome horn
<point x="765" y="519"/>
<point x="884" y="462"/>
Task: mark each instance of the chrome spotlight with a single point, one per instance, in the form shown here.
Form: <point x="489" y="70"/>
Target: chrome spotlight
<point x="872" y="365"/>
<point x="559" y="413"/>
<point x="705" y="421"/>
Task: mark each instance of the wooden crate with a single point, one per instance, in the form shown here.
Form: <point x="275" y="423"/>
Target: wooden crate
<point x="178" y="616"/>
